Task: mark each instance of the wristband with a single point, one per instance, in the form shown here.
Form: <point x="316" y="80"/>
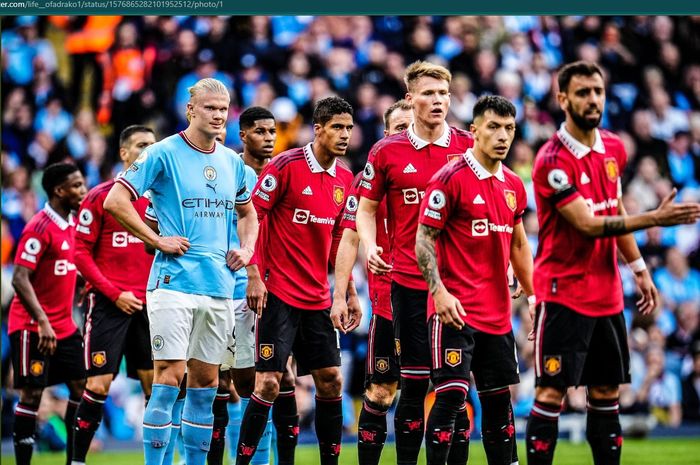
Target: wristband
<point x="638" y="265"/>
<point x="531" y="300"/>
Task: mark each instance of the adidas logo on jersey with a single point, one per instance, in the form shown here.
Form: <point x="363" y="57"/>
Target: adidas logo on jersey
<point x="409" y="169"/>
<point x="478" y="200"/>
<point x="307" y="191"/>
<point x="585" y="179"/>
<point x="65" y="245"/>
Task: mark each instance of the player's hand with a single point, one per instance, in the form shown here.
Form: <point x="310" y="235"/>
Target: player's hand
<point x="374" y="260"/>
<point x="354" y="312"/>
<point x="47" y="338"/>
<point x="256" y="294"/>
<point x="339" y="313"/>
<point x="449" y="309"/>
<point x="128" y="303"/>
<point x="669" y="213"/>
<point x="531" y="307"/>
<point x="237" y="259"/>
<point x="650" y="295"/>
<point x="173" y="245"/>
<point x="517" y="292"/>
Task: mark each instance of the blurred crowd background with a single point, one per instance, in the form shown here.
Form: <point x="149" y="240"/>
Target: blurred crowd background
<point x="71" y="84"/>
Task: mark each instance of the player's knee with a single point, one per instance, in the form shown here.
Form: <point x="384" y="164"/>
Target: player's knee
<point x="414" y="389"/>
<point x="381" y="394"/>
<point x="329" y="382"/>
<point x="604" y="392"/>
<point x="31" y="396"/>
<point x="224" y="381"/>
<point x="452" y="399"/>
<point x="288" y="379"/>
<point x="244" y="381"/>
<point x="549" y="395"/>
<point x="267" y="386"/>
<point x="99" y="384"/>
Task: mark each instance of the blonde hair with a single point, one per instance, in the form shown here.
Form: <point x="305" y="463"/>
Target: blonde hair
<point x="419" y="69"/>
<point x="208" y="85"/>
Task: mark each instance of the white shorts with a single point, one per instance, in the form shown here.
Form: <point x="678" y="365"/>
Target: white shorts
<point x="189" y="326"/>
<point x="245" y="335"/>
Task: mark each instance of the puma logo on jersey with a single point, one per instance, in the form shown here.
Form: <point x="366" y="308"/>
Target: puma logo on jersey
<point x="409" y="169"/>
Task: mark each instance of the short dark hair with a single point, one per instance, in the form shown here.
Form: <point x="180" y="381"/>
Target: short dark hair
<point x="327" y="108"/>
<point x="496" y="103"/>
<point x="55" y="175"/>
<point x="400" y="104"/>
<point x="129" y="131"/>
<point x="577" y="68"/>
<point x="251" y="115"/>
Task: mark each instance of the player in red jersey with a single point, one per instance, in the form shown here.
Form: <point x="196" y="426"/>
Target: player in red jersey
<point x="299" y="198"/>
<point x="381" y="368"/>
<point x="46" y="344"/>
<point x="115" y="265"/>
<point x="399" y="168"/>
<point x="580" y="335"/>
<point x="470" y="229"/>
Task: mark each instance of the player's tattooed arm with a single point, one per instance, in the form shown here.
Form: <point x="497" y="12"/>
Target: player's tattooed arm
<point x="426" y="256"/>
<point x="614" y="226"/>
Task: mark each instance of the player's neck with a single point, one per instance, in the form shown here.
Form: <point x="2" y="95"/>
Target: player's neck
<point x="324" y="157"/>
<point x="256" y="163"/>
<point x="430" y="133"/>
<point x="585" y="136"/>
<point x="56" y="206"/>
<point x="489" y="164"/>
<point x="200" y="139"/>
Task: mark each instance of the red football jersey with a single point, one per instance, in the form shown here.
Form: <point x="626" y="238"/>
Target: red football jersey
<point x="399" y="167"/>
<point x="110" y="259"/>
<point x="571" y="268"/>
<point x="379" y="285"/>
<point x="47" y="246"/>
<point x="476" y="212"/>
<point x="299" y="204"/>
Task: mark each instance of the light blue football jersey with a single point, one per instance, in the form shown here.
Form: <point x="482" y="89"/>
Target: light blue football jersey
<point x="242" y="275"/>
<point x="194" y="194"/>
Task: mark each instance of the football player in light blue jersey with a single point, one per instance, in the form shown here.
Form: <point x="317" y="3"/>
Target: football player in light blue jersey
<point x="197" y="189"/>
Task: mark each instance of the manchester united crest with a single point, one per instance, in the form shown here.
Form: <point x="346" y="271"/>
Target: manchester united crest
<point x="267" y="351"/>
<point x="453" y="357"/>
<point x="36" y="367"/>
<point x="511" y="201"/>
<point x="611" y="169"/>
<point x="552" y="364"/>
<point x="381" y="364"/>
<point x="99" y="359"/>
<point x="338" y="195"/>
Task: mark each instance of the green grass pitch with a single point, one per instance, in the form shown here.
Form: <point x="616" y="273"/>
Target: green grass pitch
<point x="634" y="452"/>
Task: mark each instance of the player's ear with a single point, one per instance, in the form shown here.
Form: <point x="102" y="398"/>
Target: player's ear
<point x="563" y="100"/>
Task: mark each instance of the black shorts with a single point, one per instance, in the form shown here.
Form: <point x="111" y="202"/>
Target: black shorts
<point x="111" y="334"/>
<point x="382" y="364"/>
<point x="33" y="369"/>
<point x="572" y="349"/>
<point x="409" y="309"/>
<point x="284" y="329"/>
<point x="454" y="353"/>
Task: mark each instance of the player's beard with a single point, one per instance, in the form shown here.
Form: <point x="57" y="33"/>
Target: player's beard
<point x="581" y="121"/>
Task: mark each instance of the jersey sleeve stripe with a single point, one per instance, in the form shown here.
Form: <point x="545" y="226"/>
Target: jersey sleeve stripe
<point x="565" y="196"/>
<point x="41" y="225"/>
<point x="130" y="188"/>
<point x="285" y="159"/>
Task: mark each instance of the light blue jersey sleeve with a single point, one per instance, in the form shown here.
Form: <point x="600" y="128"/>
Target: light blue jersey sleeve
<point x="144" y="172"/>
<point x="244" y="192"/>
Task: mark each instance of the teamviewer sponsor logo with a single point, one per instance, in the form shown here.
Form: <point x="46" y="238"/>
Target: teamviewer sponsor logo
<point x="301" y="216"/>
<point x="480" y="227"/>
<point x="305" y="217"/>
<point x="412" y="196"/>
<point x="123" y="239"/>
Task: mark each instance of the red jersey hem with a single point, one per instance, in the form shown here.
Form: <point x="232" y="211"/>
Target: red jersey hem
<point x="409" y="281"/>
<point x="289" y="300"/>
<point x="568" y="305"/>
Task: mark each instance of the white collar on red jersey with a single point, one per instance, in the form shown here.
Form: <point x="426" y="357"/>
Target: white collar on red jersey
<point x="418" y="143"/>
<point x="578" y="149"/>
<point x="481" y="172"/>
<point x="58" y="219"/>
<point x="314" y="165"/>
